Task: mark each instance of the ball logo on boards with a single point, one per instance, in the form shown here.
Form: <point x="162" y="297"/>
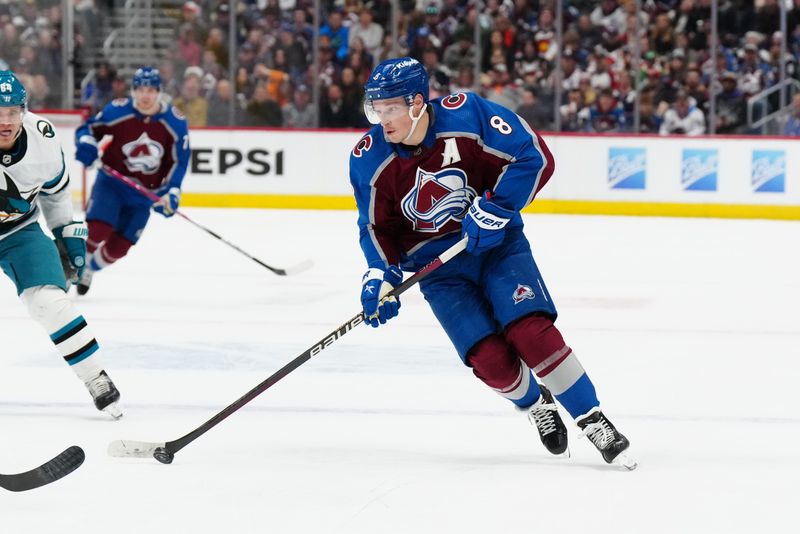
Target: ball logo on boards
<point x="768" y="173"/>
<point x="699" y="169"/>
<point x="627" y="168"/>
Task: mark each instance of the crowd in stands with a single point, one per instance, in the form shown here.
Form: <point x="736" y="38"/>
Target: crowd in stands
<point x="274" y="73"/>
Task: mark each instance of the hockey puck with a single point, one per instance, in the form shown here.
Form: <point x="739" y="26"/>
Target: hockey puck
<point x="163" y="455"/>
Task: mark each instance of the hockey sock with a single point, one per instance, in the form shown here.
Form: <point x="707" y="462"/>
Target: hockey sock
<point x="68" y="330"/>
<point x="115" y="248"/>
<point x="494" y="362"/>
<point x="99" y="231"/>
<point x="541" y="346"/>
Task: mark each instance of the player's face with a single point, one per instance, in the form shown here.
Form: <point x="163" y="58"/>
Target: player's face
<point x="10" y="124"/>
<point x="392" y="114"/>
<point x="146" y="98"/>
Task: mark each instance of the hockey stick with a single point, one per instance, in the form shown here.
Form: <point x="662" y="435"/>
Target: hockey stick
<point x="165" y="452"/>
<point x="300" y="267"/>
<point x="57" y="468"/>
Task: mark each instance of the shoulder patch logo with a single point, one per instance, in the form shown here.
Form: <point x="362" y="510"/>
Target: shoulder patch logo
<point x="46" y="129"/>
<point x="119" y="102"/>
<point x="454" y="101"/>
<point x="523" y="292"/>
<point x="177" y="113"/>
<point x="437" y="198"/>
<point x="363" y="146"/>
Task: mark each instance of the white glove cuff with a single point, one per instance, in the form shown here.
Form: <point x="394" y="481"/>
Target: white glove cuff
<point x="88" y="139"/>
<point x="76" y="229"/>
<point x="484" y="219"/>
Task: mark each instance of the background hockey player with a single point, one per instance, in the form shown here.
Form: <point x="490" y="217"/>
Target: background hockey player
<point x="34" y="179"/>
<point x="431" y="172"/>
<point x="150" y="144"/>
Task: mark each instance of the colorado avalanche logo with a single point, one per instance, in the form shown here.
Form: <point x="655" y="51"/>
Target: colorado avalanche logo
<point x="523" y="292"/>
<point x="436" y="198"/>
<point x="454" y="101"/>
<point x="143" y="155"/>
<point x="363" y="146"/>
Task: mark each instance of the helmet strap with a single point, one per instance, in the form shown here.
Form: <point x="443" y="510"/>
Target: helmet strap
<point x="414" y="120"/>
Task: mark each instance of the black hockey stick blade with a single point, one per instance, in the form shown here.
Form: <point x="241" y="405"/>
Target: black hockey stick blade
<point x="57" y="468"/>
<point x="165" y="452"/>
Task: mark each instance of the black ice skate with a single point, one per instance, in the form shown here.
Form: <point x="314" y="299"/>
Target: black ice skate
<point x="105" y="394"/>
<point x="85" y="281"/>
<point x="608" y="440"/>
<point x="543" y="414"/>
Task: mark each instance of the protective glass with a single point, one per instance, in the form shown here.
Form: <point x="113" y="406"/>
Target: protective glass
<point x="11" y="115"/>
<point x="378" y="111"/>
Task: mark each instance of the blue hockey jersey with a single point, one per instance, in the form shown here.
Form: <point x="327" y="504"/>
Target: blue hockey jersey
<point x="411" y="200"/>
<point x="154" y="149"/>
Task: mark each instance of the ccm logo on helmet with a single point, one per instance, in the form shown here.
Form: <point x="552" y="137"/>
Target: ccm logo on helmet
<point x="363" y="146"/>
<point x="454" y="101"/>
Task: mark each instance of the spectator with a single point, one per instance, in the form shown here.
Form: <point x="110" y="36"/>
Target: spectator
<point x="368" y="31"/>
<point x="338" y="35"/>
<point x="189" y="51"/>
<point x="731" y="106"/>
<point x="334" y="113"/>
<point x="219" y="105"/>
<point x="793" y="124"/>
<point x="97" y="93"/>
<point x="574" y="115"/>
<point x="535" y="115"/>
<point x="683" y="118"/>
<point x="190" y="102"/>
<point x="299" y="113"/>
<point x="606" y="115"/>
<point x="263" y="110"/>
<point x="649" y="121"/>
<point x="461" y="53"/>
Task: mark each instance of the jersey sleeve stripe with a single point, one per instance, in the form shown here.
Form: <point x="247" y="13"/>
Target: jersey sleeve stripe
<point x="58" y="183"/>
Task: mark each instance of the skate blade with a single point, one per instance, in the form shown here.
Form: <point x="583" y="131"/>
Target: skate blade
<point x="114" y="411"/>
<point x="565" y="454"/>
<point x="623" y="459"/>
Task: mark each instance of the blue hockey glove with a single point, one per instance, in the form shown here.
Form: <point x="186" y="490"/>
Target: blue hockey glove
<point x="86" y="151"/>
<point x="376" y="283"/>
<point x="71" y="243"/>
<point x="485" y="225"/>
<point x="168" y="203"/>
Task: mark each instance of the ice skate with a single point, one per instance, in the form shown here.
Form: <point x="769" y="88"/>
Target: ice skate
<point x="608" y="440"/>
<point x="105" y="394"/>
<point x="85" y="281"/>
<point x="543" y="414"/>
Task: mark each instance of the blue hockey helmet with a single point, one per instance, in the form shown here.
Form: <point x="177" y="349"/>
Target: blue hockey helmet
<point x="12" y="92"/>
<point x="146" y="77"/>
<point x="400" y="77"/>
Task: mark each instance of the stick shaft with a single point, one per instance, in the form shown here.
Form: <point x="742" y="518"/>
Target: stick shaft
<point x="319" y="346"/>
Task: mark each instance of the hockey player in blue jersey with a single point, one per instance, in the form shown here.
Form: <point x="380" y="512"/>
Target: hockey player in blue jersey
<point x="33" y="181"/>
<point x="149" y="144"/>
<point x="429" y="173"/>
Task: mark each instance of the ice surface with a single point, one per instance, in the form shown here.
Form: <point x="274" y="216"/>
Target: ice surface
<point x="688" y="328"/>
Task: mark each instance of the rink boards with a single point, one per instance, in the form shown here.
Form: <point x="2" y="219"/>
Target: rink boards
<point x="595" y="174"/>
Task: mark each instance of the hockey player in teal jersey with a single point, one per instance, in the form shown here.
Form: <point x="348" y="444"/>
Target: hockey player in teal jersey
<point x="34" y="180"/>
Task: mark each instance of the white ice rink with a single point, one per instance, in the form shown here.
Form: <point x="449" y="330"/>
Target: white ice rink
<point x="688" y="327"/>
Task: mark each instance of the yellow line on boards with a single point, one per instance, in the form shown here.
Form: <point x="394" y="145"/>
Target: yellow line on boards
<point x="576" y="207"/>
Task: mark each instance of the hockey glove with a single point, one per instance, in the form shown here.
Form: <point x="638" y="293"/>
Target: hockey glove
<point x="376" y="284"/>
<point x="485" y="225"/>
<point x="86" y="151"/>
<point x="71" y="244"/>
<point x="168" y="203"/>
